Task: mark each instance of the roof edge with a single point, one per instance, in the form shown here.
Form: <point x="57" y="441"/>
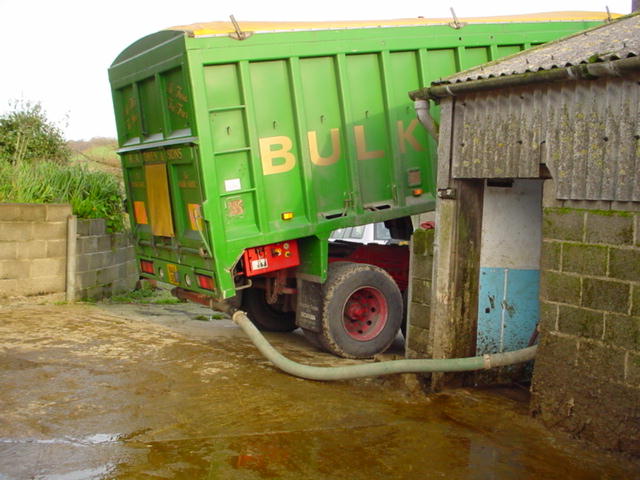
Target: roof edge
<point x="589" y="71"/>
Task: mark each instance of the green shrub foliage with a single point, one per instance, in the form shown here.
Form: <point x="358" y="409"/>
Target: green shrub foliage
<point x="35" y="168"/>
<point x="92" y="194"/>
<point x="26" y="135"/>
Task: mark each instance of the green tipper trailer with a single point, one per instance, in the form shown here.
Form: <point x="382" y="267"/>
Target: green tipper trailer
<point x="244" y="146"/>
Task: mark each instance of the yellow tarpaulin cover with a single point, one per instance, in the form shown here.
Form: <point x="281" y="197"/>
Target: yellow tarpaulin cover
<point x="224" y="28"/>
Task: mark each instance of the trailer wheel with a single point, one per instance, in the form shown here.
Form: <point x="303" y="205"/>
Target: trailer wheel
<point x="267" y="317"/>
<point x="313" y="338"/>
<point x="361" y="311"/>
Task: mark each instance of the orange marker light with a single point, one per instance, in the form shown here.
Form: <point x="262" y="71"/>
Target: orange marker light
<point x="287" y="215"/>
<point x="140" y="213"/>
<point x="417" y="192"/>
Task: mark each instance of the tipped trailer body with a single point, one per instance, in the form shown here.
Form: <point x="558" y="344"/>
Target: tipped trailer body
<point x="245" y="145"/>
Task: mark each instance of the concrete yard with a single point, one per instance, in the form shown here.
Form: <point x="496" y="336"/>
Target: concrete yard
<point x="167" y="391"/>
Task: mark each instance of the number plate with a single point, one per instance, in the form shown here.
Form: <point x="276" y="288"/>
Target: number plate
<point x="259" y="264"/>
<point x="173" y="274"/>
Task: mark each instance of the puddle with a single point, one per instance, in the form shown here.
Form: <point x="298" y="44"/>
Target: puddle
<point x="86" y="474"/>
<point x="97" y="439"/>
<point x="208" y="406"/>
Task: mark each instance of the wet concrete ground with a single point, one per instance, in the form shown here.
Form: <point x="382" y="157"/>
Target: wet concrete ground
<point x="163" y="392"/>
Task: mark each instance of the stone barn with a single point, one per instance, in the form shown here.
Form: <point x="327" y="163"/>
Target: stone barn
<point x="538" y="226"/>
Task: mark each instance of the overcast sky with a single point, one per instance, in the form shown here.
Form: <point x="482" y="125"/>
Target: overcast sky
<point x="58" y="52"/>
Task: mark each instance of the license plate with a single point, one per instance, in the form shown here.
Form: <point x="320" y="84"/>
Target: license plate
<point x="173" y="274"/>
<point x="259" y="264"/>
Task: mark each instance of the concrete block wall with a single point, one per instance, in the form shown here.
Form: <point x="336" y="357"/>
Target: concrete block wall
<point x="105" y="262"/>
<point x="33" y="249"/>
<point x="587" y="373"/>
<point x="418" y="343"/>
<point x="33" y="254"/>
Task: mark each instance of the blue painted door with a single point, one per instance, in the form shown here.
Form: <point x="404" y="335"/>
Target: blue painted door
<point x="508" y="297"/>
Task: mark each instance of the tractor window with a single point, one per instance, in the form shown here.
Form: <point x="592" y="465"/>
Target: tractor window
<point x="381" y="232"/>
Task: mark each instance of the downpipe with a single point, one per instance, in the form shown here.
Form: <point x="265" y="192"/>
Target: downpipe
<point x="422" y="111"/>
<point x="380" y="368"/>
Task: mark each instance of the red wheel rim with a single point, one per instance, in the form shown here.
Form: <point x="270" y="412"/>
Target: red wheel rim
<point x="365" y="314"/>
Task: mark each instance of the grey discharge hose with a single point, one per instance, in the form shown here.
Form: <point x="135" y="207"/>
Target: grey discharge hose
<point x="379" y="368"/>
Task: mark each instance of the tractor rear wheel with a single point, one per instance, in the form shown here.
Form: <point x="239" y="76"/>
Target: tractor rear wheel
<point x="361" y="310"/>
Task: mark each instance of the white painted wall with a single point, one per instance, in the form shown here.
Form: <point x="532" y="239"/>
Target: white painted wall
<point x="511" y="226"/>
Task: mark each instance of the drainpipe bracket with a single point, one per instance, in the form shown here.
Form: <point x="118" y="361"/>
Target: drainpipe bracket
<point x="447" y="193"/>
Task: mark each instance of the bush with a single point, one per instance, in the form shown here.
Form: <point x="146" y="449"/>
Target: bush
<point x="92" y="194"/>
<point x="26" y="135"/>
<point x="34" y="168"/>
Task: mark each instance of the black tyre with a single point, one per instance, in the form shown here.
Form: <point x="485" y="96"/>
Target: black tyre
<point x="361" y="310"/>
<point x="265" y="316"/>
<point x="403" y="325"/>
<point x="313" y="338"/>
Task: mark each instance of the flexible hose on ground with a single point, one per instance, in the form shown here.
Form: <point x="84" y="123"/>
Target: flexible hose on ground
<point x="379" y="368"/>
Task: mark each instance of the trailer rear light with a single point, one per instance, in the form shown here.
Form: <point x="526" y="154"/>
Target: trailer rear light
<point x="205" y="282"/>
<point x="146" y="266"/>
<point x="287" y="215"/>
<point x="417" y="192"/>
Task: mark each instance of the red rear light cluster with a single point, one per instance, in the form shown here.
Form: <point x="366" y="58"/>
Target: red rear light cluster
<point x="146" y="266"/>
<point x="205" y="282"/>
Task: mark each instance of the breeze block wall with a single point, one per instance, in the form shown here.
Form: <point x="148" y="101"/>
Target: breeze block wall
<point x="33" y="248"/>
<point x="587" y="373"/>
<point x="105" y="262"/>
<point x="33" y="254"/>
<point x="418" y="343"/>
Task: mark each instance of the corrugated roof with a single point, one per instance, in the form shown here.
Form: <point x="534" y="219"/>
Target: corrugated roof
<point x="616" y="40"/>
<point x="584" y="132"/>
<point x="225" y="28"/>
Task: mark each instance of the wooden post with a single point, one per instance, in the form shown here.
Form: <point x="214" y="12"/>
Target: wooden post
<point x="456" y="263"/>
<point x="457" y="271"/>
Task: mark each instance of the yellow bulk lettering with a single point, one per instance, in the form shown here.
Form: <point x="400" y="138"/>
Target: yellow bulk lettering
<point x="361" y="145"/>
<point x="268" y="155"/>
<point x="314" y="152"/>
<point x="407" y="136"/>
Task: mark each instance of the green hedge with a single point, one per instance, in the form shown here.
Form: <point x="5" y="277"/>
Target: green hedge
<point x="92" y="194"/>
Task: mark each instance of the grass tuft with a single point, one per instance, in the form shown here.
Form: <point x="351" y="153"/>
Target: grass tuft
<point x="146" y="295"/>
<point x="92" y="194"/>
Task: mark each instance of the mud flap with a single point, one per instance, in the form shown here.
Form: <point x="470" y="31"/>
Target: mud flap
<point x="309" y="305"/>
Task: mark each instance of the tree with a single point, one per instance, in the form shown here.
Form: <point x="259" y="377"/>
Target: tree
<point x="27" y="135"/>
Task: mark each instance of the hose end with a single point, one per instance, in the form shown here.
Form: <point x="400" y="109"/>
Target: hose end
<point x="237" y="316"/>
